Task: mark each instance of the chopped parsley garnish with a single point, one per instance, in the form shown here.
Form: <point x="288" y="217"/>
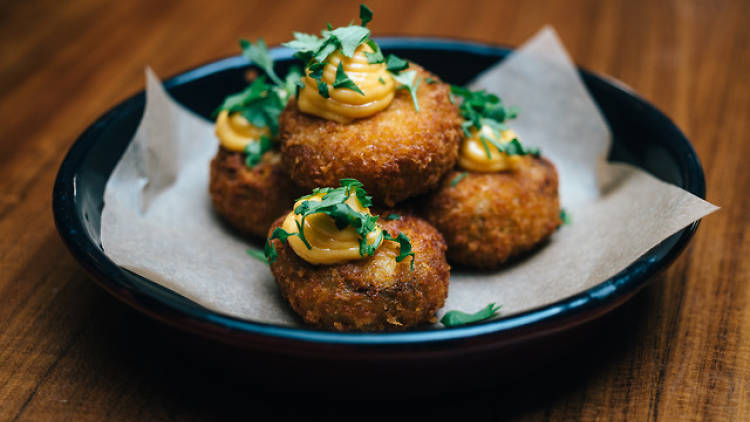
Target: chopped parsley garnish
<point x="333" y="203"/>
<point x="255" y="150"/>
<point x="261" y="102"/>
<point x="404" y="247"/>
<point x="393" y="216"/>
<point x="313" y="51"/>
<point x="259" y="255"/>
<point x="395" y="64"/>
<point x="479" y="108"/>
<point x="409" y="81"/>
<point x="343" y="81"/>
<point x="565" y="217"/>
<point x="456" y="318"/>
<point x="457" y="179"/>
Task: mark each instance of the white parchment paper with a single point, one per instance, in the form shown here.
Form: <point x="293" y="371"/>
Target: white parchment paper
<point x="158" y="221"/>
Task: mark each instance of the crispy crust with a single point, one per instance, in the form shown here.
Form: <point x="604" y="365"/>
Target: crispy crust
<point x="490" y="217"/>
<point x="375" y="294"/>
<point x="250" y="199"/>
<point x="396" y="154"/>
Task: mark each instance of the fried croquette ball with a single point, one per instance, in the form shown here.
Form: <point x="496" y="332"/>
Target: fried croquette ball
<point x="250" y="199"/>
<point x="372" y="294"/>
<point x="397" y="153"/>
<point x="487" y="218"/>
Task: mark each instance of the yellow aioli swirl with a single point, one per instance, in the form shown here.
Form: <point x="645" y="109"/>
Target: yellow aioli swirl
<point x="235" y="132"/>
<point x="343" y="104"/>
<point x="329" y="244"/>
<point x="473" y="156"/>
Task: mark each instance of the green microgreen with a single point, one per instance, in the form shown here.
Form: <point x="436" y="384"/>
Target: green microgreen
<point x="258" y="54"/>
<point x="259" y="255"/>
<point x="395" y="64"/>
<point x="409" y="81"/>
<point x="343" y="81"/>
<point x="565" y="217"/>
<point x="481" y="108"/>
<point x="457" y="318"/>
<point x="393" y="216"/>
<point x="365" y="14"/>
<point x="314" y="50"/>
<point x="254" y="150"/>
<point x="457" y="179"/>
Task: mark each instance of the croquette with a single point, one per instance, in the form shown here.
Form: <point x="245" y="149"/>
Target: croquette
<point x="487" y="218"/>
<point x="250" y="199"/>
<point x="396" y="153"/>
<point x="372" y="294"/>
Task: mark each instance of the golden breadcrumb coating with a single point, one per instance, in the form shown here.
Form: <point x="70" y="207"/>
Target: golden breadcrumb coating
<point x="372" y="294"/>
<point x="489" y="217"/>
<point x="396" y="154"/>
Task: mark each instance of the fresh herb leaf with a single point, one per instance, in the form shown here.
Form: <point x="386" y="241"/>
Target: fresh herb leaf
<point x="293" y="82"/>
<point x="409" y="81"/>
<point x="565" y="217"/>
<point x="343" y="81"/>
<point x="404" y="244"/>
<point x="254" y="150"/>
<point x="393" y="216"/>
<point x="381" y="80"/>
<point x="260" y="103"/>
<point x="365" y="14"/>
<point x="258" y="54"/>
<point x="269" y="250"/>
<point x="395" y="64"/>
<point x="428" y="80"/>
<point x="456" y="318"/>
<point x="348" y="38"/>
<point x="479" y="108"/>
<point x="259" y="255"/>
<point x="458" y="178"/>
<point x="376" y="56"/>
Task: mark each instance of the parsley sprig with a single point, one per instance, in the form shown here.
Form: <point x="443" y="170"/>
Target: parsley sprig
<point x="313" y="52"/>
<point x="480" y="108"/>
<point x="457" y="318"/>
<point x="261" y="102"/>
<point x="333" y="203"/>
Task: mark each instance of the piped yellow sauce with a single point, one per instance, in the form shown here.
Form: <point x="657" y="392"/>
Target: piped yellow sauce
<point x="473" y="155"/>
<point x="344" y="104"/>
<point x="329" y="244"/>
<point x="235" y="132"/>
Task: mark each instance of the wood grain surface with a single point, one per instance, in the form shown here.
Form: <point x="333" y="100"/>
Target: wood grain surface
<point x="680" y="350"/>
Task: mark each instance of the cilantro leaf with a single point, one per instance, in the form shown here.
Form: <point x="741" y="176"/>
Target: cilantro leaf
<point x="259" y="255"/>
<point x="458" y="178"/>
<point x="269" y="250"/>
<point x="395" y="64"/>
<point x="258" y="53"/>
<point x="259" y="103"/>
<point x="410" y="82"/>
<point x="254" y="150"/>
<point x="456" y="318"/>
<point x="393" y="216"/>
<point x="376" y="56"/>
<point x="343" y="81"/>
<point x="365" y="14"/>
<point x="404" y="244"/>
<point x="348" y="38"/>
<point x="293" y="82"/>
<point x="565" y="217"/>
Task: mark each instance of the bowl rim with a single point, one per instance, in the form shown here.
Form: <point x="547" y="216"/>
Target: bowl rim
<point x="170" y="307"/>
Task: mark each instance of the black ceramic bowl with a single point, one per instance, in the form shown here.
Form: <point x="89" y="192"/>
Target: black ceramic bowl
<point x="642" y="136"/>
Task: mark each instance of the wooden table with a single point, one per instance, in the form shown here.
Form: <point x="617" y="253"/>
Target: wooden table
<point x="69" y="351"/>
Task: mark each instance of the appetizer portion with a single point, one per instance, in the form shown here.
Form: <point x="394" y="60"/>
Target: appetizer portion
<point x="248" y="186"/>
<point x="384" y="121"/>
<point x="342" y="268"/>
<point x="503" y="199"/>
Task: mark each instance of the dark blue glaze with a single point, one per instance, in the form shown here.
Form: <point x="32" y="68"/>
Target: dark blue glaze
<point x="642" y="136"/>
